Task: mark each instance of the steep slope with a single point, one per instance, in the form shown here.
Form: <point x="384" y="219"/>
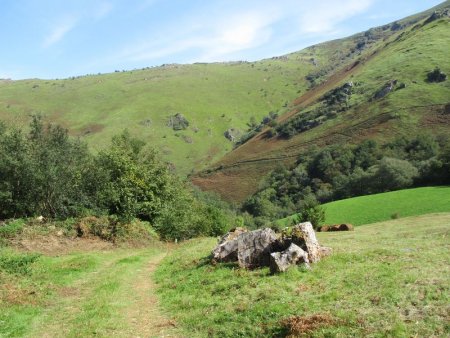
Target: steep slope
<point x="401" y="58"/>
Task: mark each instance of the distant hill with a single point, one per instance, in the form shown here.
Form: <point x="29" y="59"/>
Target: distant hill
<point x="378" y="91"/>
<point x="212" y="98"/>
<point x="186" y="111"/>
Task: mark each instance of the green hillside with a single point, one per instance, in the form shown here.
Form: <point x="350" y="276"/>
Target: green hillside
<point x="382" y="207"/>
<point x="397" y="63"/>
<point x="212" y="97"/>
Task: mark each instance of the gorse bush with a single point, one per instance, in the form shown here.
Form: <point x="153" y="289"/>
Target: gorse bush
<point x="45" y="172"/>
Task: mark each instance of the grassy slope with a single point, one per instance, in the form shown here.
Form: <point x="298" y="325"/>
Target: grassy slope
<point x="381" y="207"/>
<point x="76" y="295"/>
<point x="383" y="280"/>
<point x="406" y="56"/>
<point x="213" y="97"/>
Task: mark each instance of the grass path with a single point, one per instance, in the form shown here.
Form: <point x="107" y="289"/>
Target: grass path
<point x="114" y="299"/>
<point x="144" y="314"/>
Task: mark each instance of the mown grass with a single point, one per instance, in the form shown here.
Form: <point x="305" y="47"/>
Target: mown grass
<point x="383" y="280"/>
<point x="385" y="206"/>
<point x="74" y="295"/>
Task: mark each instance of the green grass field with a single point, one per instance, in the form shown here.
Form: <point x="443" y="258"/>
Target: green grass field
<point x="383" y="280"/>
<point x="382" y="207"/>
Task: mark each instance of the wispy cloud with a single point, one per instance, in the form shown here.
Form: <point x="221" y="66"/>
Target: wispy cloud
<point x="221" y="37"/>
<point x="103" y="10"/>
<point x="213" y="40"/>
<point x="59" y="31"/>
<point x="323" y="16"/>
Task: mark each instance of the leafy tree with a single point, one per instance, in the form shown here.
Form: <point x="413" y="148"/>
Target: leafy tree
<point x="311" y="211"/>
<point x="394" y="174"/>
<point x="130" y="180"/>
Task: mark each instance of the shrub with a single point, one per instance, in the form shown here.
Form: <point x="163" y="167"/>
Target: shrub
<point x="436" y="75"/>
<point x="394" y="174"/>
<point x="311" y="211"/>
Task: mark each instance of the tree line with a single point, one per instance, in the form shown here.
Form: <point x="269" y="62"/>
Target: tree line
<point x="46" y="172"/>
<point x="342" y="171"/>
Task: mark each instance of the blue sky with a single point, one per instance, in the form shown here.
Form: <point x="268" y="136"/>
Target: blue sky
<point x="63" y="38"/>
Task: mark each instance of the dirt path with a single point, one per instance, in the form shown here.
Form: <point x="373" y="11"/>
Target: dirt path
<point x="115" y="299"/>
<point x="144" y="315"/>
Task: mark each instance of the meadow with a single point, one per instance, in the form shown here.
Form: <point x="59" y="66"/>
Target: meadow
<point x="385" y="206"/>
<point x="387" y="279"/>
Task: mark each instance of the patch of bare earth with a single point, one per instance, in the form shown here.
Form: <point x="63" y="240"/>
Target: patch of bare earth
<point x="143" y="314"/>
<point x="53" y="245"/>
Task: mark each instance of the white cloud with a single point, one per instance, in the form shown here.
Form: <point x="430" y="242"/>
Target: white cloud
<point x="103" y="10"/>
<point x="323" y="16"/>
<point x="234" y="32"/>
<point x="59" y="31"/>
<point x="213" y="40"/>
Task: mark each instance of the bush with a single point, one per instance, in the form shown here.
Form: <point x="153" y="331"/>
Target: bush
<point x="436" y="75"/>
<point x="394" y="174"/>
<point x="311" y="211"/>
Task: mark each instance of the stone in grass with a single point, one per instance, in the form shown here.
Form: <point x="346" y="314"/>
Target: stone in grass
<point x="226" y="250"/>
<point x="254" y="248"/>
<point x="303" y="235"/>
<point x="281" y="261"/>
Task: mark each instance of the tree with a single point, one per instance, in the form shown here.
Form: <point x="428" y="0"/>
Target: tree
<point x="130" y="180"/>
<point x="394" y="174"/>
<point x="311" y="211"/>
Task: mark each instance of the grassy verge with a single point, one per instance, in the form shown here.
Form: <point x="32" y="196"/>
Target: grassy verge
<point x="382" y="207"/>
<point x="386" y="279"/>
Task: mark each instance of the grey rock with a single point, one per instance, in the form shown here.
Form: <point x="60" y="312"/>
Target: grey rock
<point x="254" y="248"/>
<point x="178" y="122"/>
<point x="389" y="87"/>
<point x="304" y="232"/>
<point x="281" y="261"/>
<point x="232" y="134"/>
<point x="226" y="250"/>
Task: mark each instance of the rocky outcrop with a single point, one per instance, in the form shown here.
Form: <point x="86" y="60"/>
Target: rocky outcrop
<point x="232" y="134"/>
<point x="281" y="261"/>
<point x="226" y="250"/>
<point x="254" y="248"/>
<point x="178" y="122"/>
<point x="260" y="248"/>
<point x="436" y="76"/>
<point x="389" y="87"/>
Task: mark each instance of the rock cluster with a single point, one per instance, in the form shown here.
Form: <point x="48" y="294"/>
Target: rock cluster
<point x="386" y="89"/>
<point x="263" y="247"/>
<point x="178" y="122"/>
<point x="232" y="134"/>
